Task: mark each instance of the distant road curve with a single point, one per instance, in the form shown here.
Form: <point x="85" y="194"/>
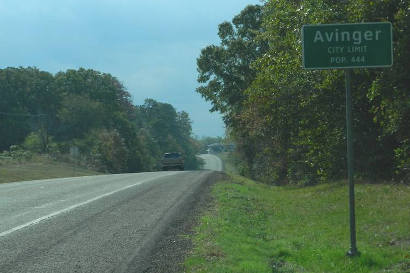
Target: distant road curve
<point x="212" y="162"/>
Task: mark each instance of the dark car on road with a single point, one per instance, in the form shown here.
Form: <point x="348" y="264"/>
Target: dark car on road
<point x="172" y="161"/>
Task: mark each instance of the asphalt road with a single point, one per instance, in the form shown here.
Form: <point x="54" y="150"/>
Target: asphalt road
<point x="212" y="162"/>
<point x="104" y="223"/>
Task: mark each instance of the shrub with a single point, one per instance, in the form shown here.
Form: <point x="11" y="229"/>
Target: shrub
<point x="19" y="154"/>
<point x="33" y="143"/>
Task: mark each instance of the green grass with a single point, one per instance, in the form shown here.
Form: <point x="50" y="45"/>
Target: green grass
<point x="253" y="227"/>
<point x="40" y="167"/>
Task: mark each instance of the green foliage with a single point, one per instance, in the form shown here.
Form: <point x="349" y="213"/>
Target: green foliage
<point x="109" y="151"/>
<point x="33" y="142"/>
<point x="402" y="160"/>
<point x="77" y="116"/>
<point x="289" y="123"/>
<point x="90" y="110"/>
<point x="27" y="98"/>
<point x="168" y="131"/>
<point x="225" y="70"/>
<point x="19" y="154"/>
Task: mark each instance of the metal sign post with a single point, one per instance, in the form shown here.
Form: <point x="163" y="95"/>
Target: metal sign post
<point x="353" y="248"/>
<point x="347" y="46"/>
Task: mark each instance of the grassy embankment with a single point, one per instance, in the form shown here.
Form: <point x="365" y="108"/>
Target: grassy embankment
<point x="39" y="167"/>
<point x="258" y="228"/>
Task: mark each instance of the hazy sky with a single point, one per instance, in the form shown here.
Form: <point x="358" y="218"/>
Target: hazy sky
<point x="151" y="46"/>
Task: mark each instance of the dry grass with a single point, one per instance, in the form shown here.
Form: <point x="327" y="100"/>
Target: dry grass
<point x="39" y="167"/>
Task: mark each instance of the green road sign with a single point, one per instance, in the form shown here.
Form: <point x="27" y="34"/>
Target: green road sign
<point x="363" y="45"/>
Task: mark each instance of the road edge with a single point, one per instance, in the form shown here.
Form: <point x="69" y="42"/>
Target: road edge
<point x="166" y="252"/>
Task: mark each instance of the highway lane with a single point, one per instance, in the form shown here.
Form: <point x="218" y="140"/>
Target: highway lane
<point x="104" y="223"/>
<point x="212" y="162"/>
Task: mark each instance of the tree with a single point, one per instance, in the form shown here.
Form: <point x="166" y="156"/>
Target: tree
<point x="225" y="70"/>
<point x="29" y="102"/>
<point x="93" y="111"/>
<point x="289" y="123"/>
<point x="169" y="131"/>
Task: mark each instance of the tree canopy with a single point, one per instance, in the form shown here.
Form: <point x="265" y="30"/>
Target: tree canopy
<point x="92" y="111"/>
<point x="289" y="123"/>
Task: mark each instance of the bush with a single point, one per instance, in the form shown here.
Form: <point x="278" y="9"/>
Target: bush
<point x="104" y="150"/>
<point x="19" y="154"/>
<point x="33" y="143"/>
<point x="402" y="159"/>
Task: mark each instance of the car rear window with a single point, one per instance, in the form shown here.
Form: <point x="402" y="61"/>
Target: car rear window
<point x="172" y="155"/>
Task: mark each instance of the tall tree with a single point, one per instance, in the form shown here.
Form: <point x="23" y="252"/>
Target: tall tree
<point x="289" y="123"/>
<point x="28" y="102"/>
<point x="225" y="70"/>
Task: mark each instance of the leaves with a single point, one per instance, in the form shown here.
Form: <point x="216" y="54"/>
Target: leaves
<point x="93" y="111"/>
<point x="289" y="123"/>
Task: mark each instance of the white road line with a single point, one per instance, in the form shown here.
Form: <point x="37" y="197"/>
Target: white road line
<point x="38" y="220"/>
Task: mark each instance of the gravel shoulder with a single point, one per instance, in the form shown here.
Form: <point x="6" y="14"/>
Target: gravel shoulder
<point x="168" y="252"/>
